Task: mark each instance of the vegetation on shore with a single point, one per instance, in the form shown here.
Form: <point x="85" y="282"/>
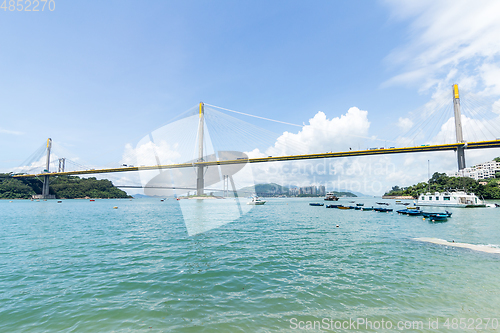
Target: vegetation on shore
<point x="63" y="187"/>
<point x="440" y="182"/>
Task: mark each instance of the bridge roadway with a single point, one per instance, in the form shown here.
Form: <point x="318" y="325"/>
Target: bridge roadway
<point x="381" y="151"/>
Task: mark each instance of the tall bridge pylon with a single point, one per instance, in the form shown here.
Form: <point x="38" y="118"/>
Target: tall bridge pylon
<point x="200" y="183"/>
<point x="45" y="187"/>
<point x="458" y="128"/>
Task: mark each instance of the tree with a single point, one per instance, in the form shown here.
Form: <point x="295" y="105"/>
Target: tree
<point x="62" y="187"/>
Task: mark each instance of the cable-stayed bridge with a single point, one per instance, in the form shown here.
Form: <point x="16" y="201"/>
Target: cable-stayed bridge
<point x="211" y="167"/>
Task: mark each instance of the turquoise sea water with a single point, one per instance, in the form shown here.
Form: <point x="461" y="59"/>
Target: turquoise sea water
<point x="83" y="266"/>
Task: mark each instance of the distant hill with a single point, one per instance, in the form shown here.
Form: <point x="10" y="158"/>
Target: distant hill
<point x="140" y="196"/>
<point x="264" y="190"/>
<point x="273" y="189"/>
<point x="358" y="194"/>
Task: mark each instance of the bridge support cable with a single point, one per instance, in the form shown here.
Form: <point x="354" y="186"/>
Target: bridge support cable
<point x="423" y="119"/>
<point x="230" y="133"/>
<point x="488" y="113"/>
<point x="291" y="124"/>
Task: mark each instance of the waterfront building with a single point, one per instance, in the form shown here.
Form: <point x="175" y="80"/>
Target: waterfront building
<point x="480" y="171"/>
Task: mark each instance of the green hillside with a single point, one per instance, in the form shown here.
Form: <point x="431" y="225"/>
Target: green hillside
<point x="440" y="182"/>
<point x="63" y="187"/>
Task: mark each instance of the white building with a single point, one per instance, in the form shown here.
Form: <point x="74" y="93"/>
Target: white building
<point x="321" y="190"/>
<point x="481" y="171"/>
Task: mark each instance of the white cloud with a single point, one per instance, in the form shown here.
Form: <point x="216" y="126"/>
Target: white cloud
<point x="4" y="131"/>
<point x="350" y="130"/>
<point x="367" y="174"/>
<point x="323" y="134"/>
<point x="405" y="123"/>
<point x="449" y="41"/>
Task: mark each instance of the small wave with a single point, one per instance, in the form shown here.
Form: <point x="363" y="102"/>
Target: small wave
<point x="482" y="248"/>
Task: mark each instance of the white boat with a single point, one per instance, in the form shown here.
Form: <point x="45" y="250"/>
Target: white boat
<point x="450" y="199"/>
<point x="256" y="201"/>
<point x="330" y="196"/>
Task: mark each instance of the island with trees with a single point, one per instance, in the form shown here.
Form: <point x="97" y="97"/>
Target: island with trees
<point x="439" y="182"/>
<point x="63" y="187"/>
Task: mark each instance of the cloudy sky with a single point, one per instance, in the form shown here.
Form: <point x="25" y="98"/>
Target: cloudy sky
<point x="97" y="77"/>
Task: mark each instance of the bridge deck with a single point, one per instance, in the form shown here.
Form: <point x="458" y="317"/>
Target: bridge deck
<point x="427" y="148"/>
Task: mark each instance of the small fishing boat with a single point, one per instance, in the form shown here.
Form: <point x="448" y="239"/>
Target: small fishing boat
<point x="256" y="201"/>
<point x="367" y="208"/>
<point x="438" y="217"/>
<point x="333" y="206"/>
<point x="316" y="204"/>
<point x="426" y="214"/>
<point x="344" y="207"/>
<point x="383" y="203"/>
<point x="410" y="211"/>
<point x="357" y="208"/>
<point x="360" y="204"/>
<point x="383" y="210"/>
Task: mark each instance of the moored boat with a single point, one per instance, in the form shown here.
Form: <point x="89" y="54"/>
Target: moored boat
<point x="383" y="210"/>
<point x="330" y="196"/>
<point x="316" y="204"/>
<point x="430" y="214"/>
<point x="410" y="212"/>
<point x="438" y="217"/>
<point x="450" y="199"/>
<point x="333" y="206"/>
<point x="256" y="201"/>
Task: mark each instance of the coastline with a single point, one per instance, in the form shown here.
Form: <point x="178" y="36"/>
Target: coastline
<point x="398" y="197"/>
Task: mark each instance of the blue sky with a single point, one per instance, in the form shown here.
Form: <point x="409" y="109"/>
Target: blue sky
<point x="96" y="76"/>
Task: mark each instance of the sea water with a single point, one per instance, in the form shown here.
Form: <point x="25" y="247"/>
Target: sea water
<point x="285" y="266"/>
